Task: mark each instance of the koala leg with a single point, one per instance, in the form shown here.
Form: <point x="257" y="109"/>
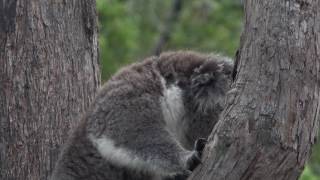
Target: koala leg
<point x="158" y="153"/>
<point x="179" y="167"/>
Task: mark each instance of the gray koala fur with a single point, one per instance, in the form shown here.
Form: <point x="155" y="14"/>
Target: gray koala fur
<point x="145" y="120"/>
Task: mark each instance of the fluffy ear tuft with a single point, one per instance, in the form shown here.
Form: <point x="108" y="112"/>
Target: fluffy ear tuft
<point x="202" y="79"/>
<point x="206" y="73"/>
<point x="211" y="70"/>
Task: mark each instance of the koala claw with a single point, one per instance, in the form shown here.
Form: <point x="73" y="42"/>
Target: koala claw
<point x="200" y="144"/>
<point x="195" y="159"/>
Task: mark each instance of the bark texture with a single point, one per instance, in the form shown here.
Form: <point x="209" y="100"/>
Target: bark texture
<point x="272" y="114"/>
<point x="48" y="76"/>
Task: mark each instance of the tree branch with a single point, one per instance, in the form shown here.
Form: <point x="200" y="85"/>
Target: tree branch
<point x="166" y="32"/>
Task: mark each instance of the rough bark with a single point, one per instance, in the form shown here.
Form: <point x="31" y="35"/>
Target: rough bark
<point x="48" y="76"/>
<point x="272" y="114"/>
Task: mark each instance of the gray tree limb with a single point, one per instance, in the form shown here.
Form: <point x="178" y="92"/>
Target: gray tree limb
<point x="168" y="27"/>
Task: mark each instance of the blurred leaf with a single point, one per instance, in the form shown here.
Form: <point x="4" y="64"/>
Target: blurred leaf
<point x="129" y="29"/>
<point x="308" y="175"/>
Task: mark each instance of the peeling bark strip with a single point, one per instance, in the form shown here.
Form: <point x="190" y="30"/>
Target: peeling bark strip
<point x="271" y="120"/>
<point x="48" y="76"/>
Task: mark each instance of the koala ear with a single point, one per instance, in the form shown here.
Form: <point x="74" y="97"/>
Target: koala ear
<point x="202" y="79"/>
<point x="227" y="68"/>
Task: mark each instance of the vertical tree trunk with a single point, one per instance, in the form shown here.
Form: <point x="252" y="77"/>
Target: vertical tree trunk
<point x="272" y="116"/>
<point x="48" y="75"/>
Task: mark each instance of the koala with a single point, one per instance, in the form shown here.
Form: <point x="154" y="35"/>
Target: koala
<point x="150" y="121"/>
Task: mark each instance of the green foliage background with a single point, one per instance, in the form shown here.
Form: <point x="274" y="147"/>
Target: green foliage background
<point x="130" y="29"/>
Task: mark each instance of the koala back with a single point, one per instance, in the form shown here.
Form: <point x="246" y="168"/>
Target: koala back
<point x="146" y="118"/>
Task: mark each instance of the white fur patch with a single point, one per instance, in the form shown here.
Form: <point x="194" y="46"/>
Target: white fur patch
<point x="123" y="157"/>
<point x="117" y="155"/>
<point x="172" y="105"/>
<point x="173" y="110"/>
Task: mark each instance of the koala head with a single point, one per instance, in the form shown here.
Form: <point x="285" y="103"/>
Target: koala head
<point x="204" y="81"/>
<point x="207" y="87"/>
<point x="204" y="97"/>
<point x="177" y="67"/>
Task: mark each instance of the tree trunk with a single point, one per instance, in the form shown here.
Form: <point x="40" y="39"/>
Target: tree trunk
<point x="48" y="76"/>
<point x="272" y="114"/>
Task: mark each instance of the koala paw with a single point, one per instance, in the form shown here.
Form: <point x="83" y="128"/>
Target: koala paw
<point x="182" y="176"/>
<point x="199" y="145"/>
<point x="195" y="159"/>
